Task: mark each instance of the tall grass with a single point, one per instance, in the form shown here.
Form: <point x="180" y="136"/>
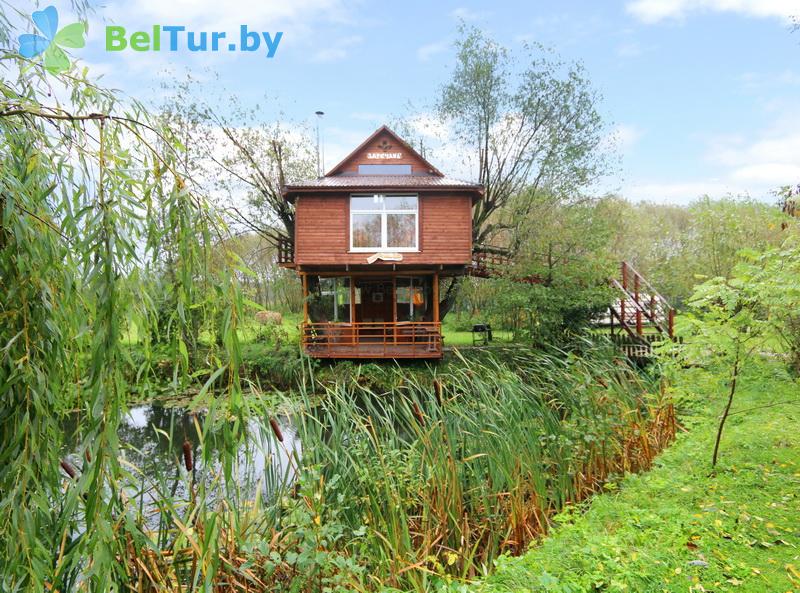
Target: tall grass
<point x="446" y="474"/>
<point x="428" y="482"/>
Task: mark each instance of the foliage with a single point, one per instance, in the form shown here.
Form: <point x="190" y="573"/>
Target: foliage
<point x="724" y="328"/>
<point x="93" y="202"/>
<point x="774" y="276"/>
<point x="732" y="320"/>
<point x="242" y="152"/>
<point x="442" y="475"/>
<point x="674" y="246"/>
<point x="529" y="120"/>
<point x="279" y="365"/>
<point x="675" y="528"/>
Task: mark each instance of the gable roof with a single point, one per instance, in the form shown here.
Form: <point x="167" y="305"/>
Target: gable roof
<point x="339" y="168"/>
<point x="345" y="175"/>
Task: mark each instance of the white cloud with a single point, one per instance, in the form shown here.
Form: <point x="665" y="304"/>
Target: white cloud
<point x="463" y="13"/>
<point x="426" y="52"/>
<point x="771" y="159"/>
<point x="626" y="135"/>
<point x="217" y="15"/>
<point x="338" y="50"/>
<point x="652" y="11"/>
<point x="754" y="164"/>
<point x="678" y="192"/>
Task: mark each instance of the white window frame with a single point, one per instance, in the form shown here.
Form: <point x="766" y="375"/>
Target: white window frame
<point x="384" y="247"/>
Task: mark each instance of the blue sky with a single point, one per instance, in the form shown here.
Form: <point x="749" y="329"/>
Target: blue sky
<point x="702" y="95"/>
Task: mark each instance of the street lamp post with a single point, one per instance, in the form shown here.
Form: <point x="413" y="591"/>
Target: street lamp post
<point x="319" y="115"/>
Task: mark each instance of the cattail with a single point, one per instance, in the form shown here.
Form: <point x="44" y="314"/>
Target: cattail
<point x="187" y="455"/>
<point x="88" y="455"/>
<point x="276" y="428"/>
<point x="67" y="467"/>
<point x="437" y="391"/>
<point x="418" y="414"/>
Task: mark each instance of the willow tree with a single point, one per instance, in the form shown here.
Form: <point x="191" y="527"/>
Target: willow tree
<point x="531" y="129"/>
<point x="245" y="155"/>
<point x="529" y="121"/>
<point x="81" y="179"/>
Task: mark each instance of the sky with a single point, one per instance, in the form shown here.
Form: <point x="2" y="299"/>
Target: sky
<point x="702" y="96"/>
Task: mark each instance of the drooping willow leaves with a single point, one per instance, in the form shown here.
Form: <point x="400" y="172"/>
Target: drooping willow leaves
<point x="95" y="214"/>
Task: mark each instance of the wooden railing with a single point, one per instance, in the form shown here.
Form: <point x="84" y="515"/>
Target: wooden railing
<point x="492" y="262"/>
<point x="488" y="263"/>
<point x="285" y="251"/>
<point x="640" y="306"/>
<point x="412" y="339"/>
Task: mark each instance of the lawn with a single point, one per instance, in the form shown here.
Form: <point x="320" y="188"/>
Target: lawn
<point x="678" y="527"/>
<point x="452" y="335"/>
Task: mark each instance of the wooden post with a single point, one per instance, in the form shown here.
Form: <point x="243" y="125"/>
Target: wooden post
<point x="436" y="297"/>
<point x="672" y="323"/>
<point x="305" y="297"/>
<point x="394" y="310"/>
<point x="352" y="299"/>
<point x="611" y="319"/>
<point x="625" y="275"/>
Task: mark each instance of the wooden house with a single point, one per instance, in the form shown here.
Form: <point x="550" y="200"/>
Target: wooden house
<point x="373" y="238"/>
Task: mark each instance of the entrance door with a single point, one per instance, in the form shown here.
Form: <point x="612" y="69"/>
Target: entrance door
<point x="376" y="302"/>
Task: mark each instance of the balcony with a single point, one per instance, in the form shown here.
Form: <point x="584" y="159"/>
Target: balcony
<point x="401" y="339"/>
<point x="285" y="251"/>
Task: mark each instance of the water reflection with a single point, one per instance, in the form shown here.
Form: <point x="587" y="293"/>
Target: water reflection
<point x="151" y="439"/>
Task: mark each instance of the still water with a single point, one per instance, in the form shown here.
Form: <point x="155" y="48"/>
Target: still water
<point x="152" y="444"/>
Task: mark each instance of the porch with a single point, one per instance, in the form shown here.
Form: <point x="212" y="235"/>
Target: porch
<point x="371" y="315"/>
<point x="401" y="339"/>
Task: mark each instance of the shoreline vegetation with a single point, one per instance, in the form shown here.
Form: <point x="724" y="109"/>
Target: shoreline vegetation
<point x="680" y="526"/>
<point x="408" y="479"/>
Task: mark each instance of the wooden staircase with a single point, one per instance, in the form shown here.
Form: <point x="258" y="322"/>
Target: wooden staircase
<point x="494" y="262"/>
<point x="640" y="316"/>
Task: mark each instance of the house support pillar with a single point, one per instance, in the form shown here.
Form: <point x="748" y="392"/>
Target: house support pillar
<point x="436" y="297"/>
<point x="305" y="297"/>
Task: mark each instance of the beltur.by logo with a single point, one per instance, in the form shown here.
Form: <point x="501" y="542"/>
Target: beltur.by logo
<point x="176" y="37"/>
<point x="51" y="41"/>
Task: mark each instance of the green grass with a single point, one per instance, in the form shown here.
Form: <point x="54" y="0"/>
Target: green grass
<point x="679" y="528"/>
<point x="452" y="335"/>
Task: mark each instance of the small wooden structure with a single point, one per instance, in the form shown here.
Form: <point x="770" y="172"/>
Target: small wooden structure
<point x="640" y="316"/>
<point x="373" y="238"/>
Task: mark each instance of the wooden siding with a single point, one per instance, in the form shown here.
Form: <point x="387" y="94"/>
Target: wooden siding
<point x="322" y="235"/>
<point x="409" y="157"/>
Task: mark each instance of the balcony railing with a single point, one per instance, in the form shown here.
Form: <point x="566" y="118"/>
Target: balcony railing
<point x="285" y="251"/>
<point x="640" y="305"/>
<point x="401" y="339"/>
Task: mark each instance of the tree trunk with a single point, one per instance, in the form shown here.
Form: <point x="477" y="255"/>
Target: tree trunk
<point x="734" y="376"/>
<point x="449" y="299"/>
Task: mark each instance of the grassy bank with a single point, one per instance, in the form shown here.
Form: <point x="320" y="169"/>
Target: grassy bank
<point x="410" y="478"/>
<point x="678" y="528"/>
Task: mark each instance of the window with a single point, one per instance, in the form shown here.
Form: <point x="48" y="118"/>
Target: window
<point x="413" y="298"/>
<point x="329" y="299"/>
<point x="384" y="169"/>
<point x="384" y="223"/>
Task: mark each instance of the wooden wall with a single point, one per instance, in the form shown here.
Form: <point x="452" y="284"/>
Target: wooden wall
<point x="409" y="157"/>
<point x="322" y="235"/>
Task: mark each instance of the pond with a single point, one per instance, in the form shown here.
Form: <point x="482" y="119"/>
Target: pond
<point x="152" y="441"/>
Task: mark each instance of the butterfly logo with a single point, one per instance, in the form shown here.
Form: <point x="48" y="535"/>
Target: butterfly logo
<point x="51" y="41"/>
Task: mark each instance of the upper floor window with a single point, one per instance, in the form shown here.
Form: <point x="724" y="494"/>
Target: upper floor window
<point x="384" y="223"/>
<point x="391" y="169"/>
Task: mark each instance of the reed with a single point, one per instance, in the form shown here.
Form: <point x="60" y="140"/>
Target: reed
<point x="446" y="475"/>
